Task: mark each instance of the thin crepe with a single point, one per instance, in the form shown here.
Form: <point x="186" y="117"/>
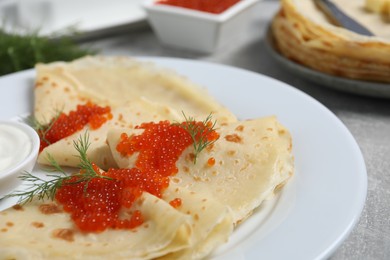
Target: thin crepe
<point x="136" y="92"/>
<point x="252" y="158"/>
<point x="116" y="81"/>
<point x="128" y="115"/>
<point x="30" y="232"/>
<point x="212" y="222"/>
<point x="190" y="232"/>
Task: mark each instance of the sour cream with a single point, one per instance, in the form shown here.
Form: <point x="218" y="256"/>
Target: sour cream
<point x="15" y="146"/>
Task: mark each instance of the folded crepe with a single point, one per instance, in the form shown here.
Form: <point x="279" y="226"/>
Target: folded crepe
<point x="42" y="230"/>
<point x="303" y="34"/>
<point x="33" y="232"/>
<point x="135" y="91"/>
<point x="128" y="115"/>
<point x="212" y="222"/>
<point x="116" y="81"/>
<point x="252" y="158"/>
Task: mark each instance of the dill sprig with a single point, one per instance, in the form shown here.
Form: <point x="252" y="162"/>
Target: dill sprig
<point x="199" y="134"/>
<point x="20" y="52"/>
<point x="43" y="129"/>
<point x="47" y="189"/>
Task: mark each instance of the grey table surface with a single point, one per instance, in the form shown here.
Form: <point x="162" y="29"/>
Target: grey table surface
<point x="368" y="119"/>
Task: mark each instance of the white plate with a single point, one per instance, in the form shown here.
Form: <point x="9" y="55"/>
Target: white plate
<point x="88" y="17"/>
<point x="317" y="209"/>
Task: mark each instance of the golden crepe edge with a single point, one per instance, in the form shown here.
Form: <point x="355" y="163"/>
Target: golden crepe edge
<point x="120" y="80"/>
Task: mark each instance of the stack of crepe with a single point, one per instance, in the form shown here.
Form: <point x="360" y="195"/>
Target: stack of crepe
<point x="253" y="160"/>
<point x="304" y="34"/>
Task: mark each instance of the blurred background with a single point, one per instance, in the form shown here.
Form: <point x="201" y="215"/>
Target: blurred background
<point x="34" y="31"/>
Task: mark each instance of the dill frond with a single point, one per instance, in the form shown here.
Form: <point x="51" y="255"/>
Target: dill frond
<point x="47" y="189"/>
<point x="199" y="134"/>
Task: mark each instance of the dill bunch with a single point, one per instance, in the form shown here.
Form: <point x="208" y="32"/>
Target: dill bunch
<point x="20" y="52"/>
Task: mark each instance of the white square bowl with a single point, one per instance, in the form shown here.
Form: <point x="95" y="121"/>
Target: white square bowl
<point x="196" y="30"/>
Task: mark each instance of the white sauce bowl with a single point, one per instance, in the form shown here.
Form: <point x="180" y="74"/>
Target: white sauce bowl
<point x="19" y="148"/>
<point x="195" y="30"/>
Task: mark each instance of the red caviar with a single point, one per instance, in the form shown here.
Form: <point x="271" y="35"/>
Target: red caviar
<point x="210" y="6"/>
<point x="66" y="125"/>
<point x="99" y="205"/>
<point x="160" y="146"/>
<point x="102" y="203"/>
<point x="175" y="203"/>
<point x="211" y="161"/>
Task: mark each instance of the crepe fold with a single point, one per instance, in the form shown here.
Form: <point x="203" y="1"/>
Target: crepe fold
<point x="30" y="232"/>
<point x="33" y="234"/>
<point x="128" y="115"/>
<point x="303" y="34"/>
<point x="212" y="222"/>
<point x="136" y="92"/>
<point x="116" y="81"/>
<point x="252" y="158"/>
